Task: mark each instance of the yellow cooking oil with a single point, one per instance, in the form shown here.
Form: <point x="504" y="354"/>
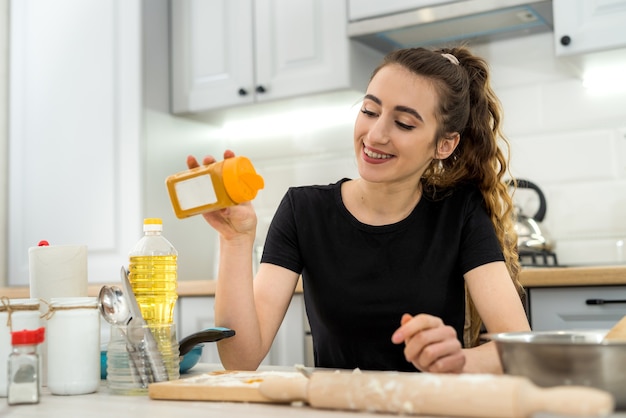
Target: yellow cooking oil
<point x="154" y="282"/>
<point x="153" y="274"/>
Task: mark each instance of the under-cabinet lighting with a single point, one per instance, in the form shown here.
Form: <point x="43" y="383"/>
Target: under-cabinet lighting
<point x="289" y="122"/>
<point x="605" y="80"/>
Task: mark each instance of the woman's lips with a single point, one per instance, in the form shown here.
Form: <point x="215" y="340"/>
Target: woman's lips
<point x="375" y="156"/>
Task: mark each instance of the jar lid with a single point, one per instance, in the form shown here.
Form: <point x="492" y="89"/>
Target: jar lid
<point x="240" y="179"/>
<point x="28" y="336"/>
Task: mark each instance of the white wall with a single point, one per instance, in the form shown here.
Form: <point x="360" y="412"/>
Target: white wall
<point x="570" y="143"/>
<point x="4" y="132"/>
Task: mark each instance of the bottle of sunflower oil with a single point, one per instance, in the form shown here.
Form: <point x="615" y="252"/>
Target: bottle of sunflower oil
<point x="153" y="274"/>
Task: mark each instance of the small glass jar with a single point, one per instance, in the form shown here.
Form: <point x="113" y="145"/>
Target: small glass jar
<point x="23" y="370"/>
<point x="15" y="314"/>
<point x="73" y="346"/>
<point x="129" y="365"/>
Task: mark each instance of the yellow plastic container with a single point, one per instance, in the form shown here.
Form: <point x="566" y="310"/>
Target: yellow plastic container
<point x="216" y="186"/>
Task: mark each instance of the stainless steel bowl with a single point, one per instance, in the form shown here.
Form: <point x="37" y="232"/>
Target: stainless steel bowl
<point x="554" y="358"/>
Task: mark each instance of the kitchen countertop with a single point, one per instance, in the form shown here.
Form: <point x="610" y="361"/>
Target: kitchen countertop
<point x="103" y="404"/>
<point x="573" y="276"/>
<point x="530" y="277"/>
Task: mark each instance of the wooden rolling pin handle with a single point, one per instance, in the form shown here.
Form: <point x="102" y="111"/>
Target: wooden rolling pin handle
<point x="576" y="401"/>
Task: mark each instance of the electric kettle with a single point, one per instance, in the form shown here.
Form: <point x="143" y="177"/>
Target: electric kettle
<point x="531" y="235"/>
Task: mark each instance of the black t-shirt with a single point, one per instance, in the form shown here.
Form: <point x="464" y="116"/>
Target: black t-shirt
<point x="359" y="279"/>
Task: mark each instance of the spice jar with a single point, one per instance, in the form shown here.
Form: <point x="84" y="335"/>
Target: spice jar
<point x="212" y="187"/>
<point x="73" y="345"/>
<point x="15" y="314"/>
<point x="23" y="376"/>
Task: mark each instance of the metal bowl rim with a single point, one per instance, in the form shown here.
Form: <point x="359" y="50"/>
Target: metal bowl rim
<point x="523" y="337"/>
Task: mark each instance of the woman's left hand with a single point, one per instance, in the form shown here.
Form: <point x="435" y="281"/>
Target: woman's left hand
<point x="430" y="345"/>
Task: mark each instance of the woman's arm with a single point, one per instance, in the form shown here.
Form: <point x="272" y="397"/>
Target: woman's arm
<point x="500" y="308"/>
<point x="433" y="346"/>
<point x="253" y="308"/>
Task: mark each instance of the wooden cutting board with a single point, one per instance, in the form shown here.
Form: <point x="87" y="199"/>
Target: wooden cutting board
<point x="225" y="386"/>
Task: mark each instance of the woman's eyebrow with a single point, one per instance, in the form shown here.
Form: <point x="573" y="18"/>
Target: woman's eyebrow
<point x="405" y="109"/>
<point x="373" y="98"/>
<point x="409" y="110"/>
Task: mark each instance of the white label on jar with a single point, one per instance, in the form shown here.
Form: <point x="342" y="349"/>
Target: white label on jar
<point x="195" y="192"/>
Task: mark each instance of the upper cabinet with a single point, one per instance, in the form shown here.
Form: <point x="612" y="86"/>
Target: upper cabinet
<point x="584" y="26"/>
<point x="232" y="52"/>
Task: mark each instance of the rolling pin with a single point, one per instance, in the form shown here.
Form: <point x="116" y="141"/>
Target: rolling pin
<point x="464" y="395"/>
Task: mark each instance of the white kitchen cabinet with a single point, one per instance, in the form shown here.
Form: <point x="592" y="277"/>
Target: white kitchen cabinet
<point x="584" y="26"/>
<point x="74" y="131"/>
<point x="197" y="312"/>
<point x="588" y="307"/>
<point x="234" y="52"/>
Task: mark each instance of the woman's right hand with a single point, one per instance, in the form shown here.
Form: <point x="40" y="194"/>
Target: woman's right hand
<point x="233" y="222"/>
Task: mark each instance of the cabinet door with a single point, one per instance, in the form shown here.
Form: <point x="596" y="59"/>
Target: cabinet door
<point x="75" y="127"/>
<point x="301" y="47"/>
<point x="582" y="26"/>
<point x="212" y="56"/>
<point x="562" y="308"/>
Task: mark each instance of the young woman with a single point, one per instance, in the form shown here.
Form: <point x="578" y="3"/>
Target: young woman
<point x="402" y="266"/>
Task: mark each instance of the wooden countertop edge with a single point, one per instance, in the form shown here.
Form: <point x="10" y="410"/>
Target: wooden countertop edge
<point x="186" y="288"/>
<point x="529" y="277"/>
<point x="573" y="276"/>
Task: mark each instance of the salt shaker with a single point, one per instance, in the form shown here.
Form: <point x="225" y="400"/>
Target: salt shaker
<point x="23" y="376"/>
<point x="15" y="314"/>
<point x="73" y="345"/>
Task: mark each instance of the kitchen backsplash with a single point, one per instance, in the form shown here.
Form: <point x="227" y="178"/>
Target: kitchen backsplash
<point x="570" y="143"/>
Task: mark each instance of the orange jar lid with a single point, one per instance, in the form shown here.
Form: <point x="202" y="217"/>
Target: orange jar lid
<point x="241" y="181"/>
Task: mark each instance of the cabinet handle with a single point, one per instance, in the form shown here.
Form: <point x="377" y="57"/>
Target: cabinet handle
<point x="260" y="89"/>
<point x="566" y="40"/>
<point x="243" y="92"/>
<point x="604" y="301"/>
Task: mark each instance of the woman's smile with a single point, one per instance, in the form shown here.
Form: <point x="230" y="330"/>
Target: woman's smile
<point x="375" y="156"/>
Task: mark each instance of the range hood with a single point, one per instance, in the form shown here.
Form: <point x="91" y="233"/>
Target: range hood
<point x="475" y="21"/>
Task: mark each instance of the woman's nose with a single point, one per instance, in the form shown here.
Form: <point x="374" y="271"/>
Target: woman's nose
<point x="379" y="131"/>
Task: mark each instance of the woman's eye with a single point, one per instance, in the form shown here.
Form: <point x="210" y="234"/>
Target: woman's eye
<point x="404" y="126"/>
<point x="367" y="112"/>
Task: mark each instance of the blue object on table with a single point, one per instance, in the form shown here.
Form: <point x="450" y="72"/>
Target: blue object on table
<point x="191" y="358"/>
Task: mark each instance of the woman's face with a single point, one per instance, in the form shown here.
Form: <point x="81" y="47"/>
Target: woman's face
<point x="394" y="133"/>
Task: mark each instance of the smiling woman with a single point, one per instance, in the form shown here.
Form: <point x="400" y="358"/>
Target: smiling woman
<point x="402" y="265"/>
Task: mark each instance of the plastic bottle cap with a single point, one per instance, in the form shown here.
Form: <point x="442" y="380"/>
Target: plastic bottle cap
<point x="152" y="224"/>
<point x="240" y="179"/>
<point x="28" y="336"/>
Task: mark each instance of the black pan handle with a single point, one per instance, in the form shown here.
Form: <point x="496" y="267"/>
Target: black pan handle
<point x="604" y="301"/>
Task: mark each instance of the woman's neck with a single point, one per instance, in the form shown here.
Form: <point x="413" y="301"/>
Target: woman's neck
<point x="380" y="204"/>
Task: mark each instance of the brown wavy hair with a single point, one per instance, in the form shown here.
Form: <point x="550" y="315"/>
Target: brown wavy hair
<point x="469" y="106"/>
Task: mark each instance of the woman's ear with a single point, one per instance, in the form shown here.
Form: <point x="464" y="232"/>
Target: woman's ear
<point x="447" y="145"/>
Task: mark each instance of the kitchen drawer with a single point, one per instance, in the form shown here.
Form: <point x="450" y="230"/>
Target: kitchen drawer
<point x="556" y="308"/>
